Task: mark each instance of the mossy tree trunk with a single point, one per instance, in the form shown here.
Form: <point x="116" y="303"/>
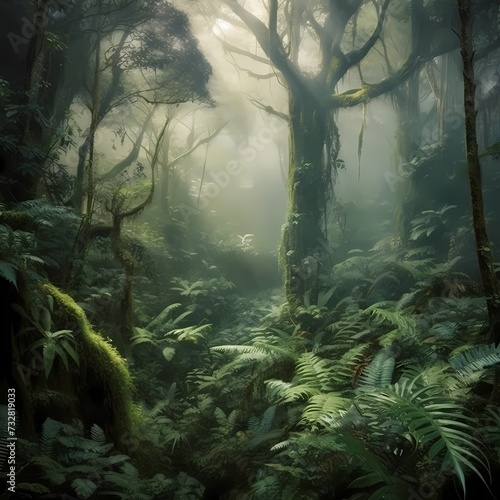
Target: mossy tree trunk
<point x="304" y="252"/>
<point x="483" y="246"/>
<point x="314" y="101"/>
<point x="101" y="370"/>
<point x="130" y="265"/>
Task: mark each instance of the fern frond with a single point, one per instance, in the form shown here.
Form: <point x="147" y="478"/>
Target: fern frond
<point x="379" y="372"/>
<point x="37" y="488"/>
<point x="281" y="445"/>
<point x="84" y="487"/>
<point x="50" y="431"/>
<point x="325" y="410"/>
<point x="267" y="420"/>
<point x="434" y="420"/>
<point x="398" y="319"/>
<point x="286" y="392"/>
<point x="97" y="434"/>
<point x="314" y="371"/>
<point x="9" y="272"/>
<point x="162" y="318"/>
<point x="476" y="358"/>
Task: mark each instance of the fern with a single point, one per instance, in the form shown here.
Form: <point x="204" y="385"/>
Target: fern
<point x="266" y="487"/>
<point x="53" y="472"/>
<point x="434" y="421"/>
<point x="397" y="319"/>
<point x="285" y="392"/>
<point x="379" y="372"/>
<point x="84" y="487"/>
<point x="260" y="428"/>
<point x="8" y="272"/>
<point x="191" y="333"/>
<point x="50" y="432"/>
<point x="97" y="434"/>
<point x="476" y="358"/>
<point x="314" y="371"/>
<point x="325" y="410"/>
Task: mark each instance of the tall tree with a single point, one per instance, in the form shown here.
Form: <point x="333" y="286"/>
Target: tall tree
<point x="483" y="245"/>
<point x="314" y="101"/>
<point x="142" y="51"/>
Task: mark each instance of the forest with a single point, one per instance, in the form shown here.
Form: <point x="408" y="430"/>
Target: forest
<point x="248" y="249"/>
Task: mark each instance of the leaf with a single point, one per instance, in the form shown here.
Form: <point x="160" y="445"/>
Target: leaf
<point x="49" y="354"/>
<point x="8" y="272"/>
<point x="370" y="479"/>
<point x="168" y="353"/>
<point x="71" y="351"/>
<point x="84" y="487"/>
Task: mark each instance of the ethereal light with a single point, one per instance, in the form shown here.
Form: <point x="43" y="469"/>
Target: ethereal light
<point x="221" y="26"/>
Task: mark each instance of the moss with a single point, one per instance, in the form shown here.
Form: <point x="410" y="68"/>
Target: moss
<point x="100" y="360"/>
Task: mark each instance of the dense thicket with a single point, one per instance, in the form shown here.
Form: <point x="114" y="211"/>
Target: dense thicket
<point x="154" y="353"/>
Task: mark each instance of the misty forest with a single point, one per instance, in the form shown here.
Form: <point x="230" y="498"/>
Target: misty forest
<point x="248" y="249"/>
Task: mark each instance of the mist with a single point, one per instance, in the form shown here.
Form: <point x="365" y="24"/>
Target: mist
<point x="249" y="249"/>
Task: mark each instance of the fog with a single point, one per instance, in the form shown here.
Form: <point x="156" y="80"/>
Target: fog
<point x="249" y="249"/>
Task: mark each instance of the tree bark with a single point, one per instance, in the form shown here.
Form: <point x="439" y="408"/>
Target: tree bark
<point x="304" y="246"/>
<point x="483" y="247"/>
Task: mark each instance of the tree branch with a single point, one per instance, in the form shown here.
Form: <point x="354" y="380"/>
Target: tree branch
<point x="133" y="154"/>
<point x="181" y="157"/>
<point x="356" y="56"/>
<point x="236" y="50"/>
<point x="270" y="43"/>
<point x="270" y="110"/>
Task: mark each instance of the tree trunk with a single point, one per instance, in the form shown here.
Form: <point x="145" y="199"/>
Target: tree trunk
<point x="484" y="253"/>
<point x="304" y="252"/>
<point x="126" y="304"/>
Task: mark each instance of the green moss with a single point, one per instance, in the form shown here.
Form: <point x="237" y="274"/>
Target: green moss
<point x="352" y="97"/>
<point x="100" y="359"/>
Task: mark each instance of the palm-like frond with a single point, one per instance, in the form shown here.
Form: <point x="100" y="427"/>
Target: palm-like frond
<point x="433" y="420"/>
<point x="8" y="272"/>
<point x="50" y="432"/>
<point x="325" y="410"/>
<point x="286" y="392"/>
<point x="314" y="371"/>
<point x="380" y="314"/>
<point x="379" y="372"/>
<point x="476" y="359"/>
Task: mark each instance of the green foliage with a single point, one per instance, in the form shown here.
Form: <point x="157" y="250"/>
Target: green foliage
<point x="476" y="358"/>
<point x="17" y="254"/>
<point x="164" y="334"/>
<point x="60" y="344"/>
<point x="379" y="372"/>
<point x="201" y="288"/>
<point x="429" y="221"/>
<point x="66" y="460"/>
<point x="434" y="422"/>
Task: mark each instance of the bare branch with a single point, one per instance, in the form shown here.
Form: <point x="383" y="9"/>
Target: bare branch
<point x="242" y="52"/>
<point x="270" y="110"/>
<point x="357" y="56"/>
<point x="191" y="150"/>
<point x="270" y="43"/>
<point x="133" y="154"/>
